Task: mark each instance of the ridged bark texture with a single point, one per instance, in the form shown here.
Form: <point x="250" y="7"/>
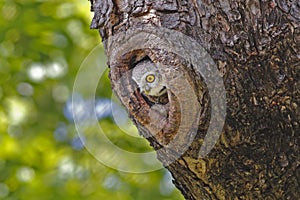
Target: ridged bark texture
<point x="256" y="46"/>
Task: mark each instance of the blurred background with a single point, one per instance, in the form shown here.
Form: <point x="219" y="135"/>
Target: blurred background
<point x="42" y="46"/>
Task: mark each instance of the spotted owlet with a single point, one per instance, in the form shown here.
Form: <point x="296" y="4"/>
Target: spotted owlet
<point x="148" y="78"/>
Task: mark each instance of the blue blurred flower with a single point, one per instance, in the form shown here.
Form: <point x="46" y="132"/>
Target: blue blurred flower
<point x="78" y="143"/>
<point x="103" y="108"/>
<point x="166" y="186"/>
<point x="61" y="132"/>
<point x="87" y="112"/>
<point x="75" y="108"/>
<point x="80" y="110"/>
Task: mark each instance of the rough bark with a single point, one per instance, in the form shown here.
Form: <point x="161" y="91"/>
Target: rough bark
<point x="256" y="45"/>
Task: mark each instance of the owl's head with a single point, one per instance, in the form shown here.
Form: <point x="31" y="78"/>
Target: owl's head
<point x="148" y="78"/>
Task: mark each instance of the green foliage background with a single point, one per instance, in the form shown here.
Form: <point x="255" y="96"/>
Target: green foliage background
<point x="42" y="45"/>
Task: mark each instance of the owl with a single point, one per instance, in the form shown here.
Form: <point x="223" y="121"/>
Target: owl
<point x="148" y="78"/>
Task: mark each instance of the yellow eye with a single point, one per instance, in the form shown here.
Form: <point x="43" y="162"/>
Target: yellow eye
<point x="150" y="78"/>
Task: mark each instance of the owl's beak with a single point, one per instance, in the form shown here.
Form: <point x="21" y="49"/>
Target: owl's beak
<point x="147" y="90"/>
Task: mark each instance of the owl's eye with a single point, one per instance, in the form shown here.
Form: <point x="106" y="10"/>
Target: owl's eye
<point x="150" y="78"/>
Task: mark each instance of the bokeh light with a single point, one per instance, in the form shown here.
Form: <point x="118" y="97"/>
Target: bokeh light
<point x="25" y="89"/>
<point x="15" y="131"/>
<point x="37" y="72"/>
<point x="17" y="110"/>
<point x="25" y="174"/>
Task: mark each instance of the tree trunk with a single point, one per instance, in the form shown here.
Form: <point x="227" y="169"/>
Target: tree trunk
<point x="254" y="151"/>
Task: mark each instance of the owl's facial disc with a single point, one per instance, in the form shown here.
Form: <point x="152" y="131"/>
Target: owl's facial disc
<point x="148" y="78"/>
<point x="153" y="85"/>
